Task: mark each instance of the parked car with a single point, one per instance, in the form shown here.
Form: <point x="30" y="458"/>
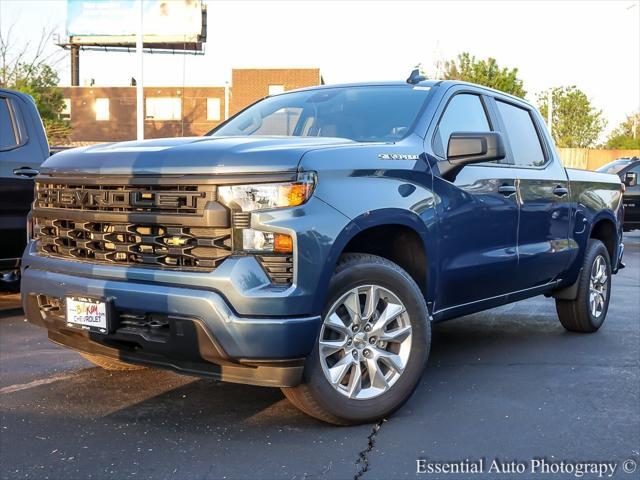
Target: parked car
<point x="628" y="169"/>
<point x="310" y="241"/>
<point x="23" y="147"/>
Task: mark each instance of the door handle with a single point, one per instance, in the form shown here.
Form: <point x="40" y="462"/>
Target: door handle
<point x="560" y="191"/>
<point x="507" y="190"/>
<point x="25" y="172"/>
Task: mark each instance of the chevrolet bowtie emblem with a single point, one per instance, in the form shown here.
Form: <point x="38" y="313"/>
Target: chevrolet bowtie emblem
<point x="176" y="241"/>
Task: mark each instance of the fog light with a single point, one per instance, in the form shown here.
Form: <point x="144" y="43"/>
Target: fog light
<point x="256" y="240"/>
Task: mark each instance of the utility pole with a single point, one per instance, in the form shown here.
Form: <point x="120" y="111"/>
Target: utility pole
<point x="550" y="111"/>
<point x="75" y="65"/>
<point x="140" y="80"/>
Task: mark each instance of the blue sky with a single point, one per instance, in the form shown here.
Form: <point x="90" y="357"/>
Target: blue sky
<point x="592" y="44"/>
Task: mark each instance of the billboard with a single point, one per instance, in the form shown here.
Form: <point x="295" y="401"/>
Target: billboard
<point x="167" y="23"/>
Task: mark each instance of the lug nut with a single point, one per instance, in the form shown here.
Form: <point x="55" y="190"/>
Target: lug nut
<point x="355" y="328"/>
<point x="367" y="328"/>
<point x="354" y="352"/>
<point x="373" y="340"/>
<point x="366" y="353"/>
<point x="349" y="341"/>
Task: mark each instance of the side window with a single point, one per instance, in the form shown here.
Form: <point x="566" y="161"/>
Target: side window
<point x="8" y="129"/>
<point x="464" y="113"/>
<point x="635" y="170"/>
<point x="523" y="137"/>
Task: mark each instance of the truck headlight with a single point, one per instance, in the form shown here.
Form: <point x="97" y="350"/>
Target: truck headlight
<point x="261" y="196"/>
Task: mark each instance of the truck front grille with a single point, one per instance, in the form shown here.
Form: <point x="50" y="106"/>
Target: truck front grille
<point x="134" y="244"/>
<point x="141" y="221"/>
<point x="182" y="199"/>
<point x="157" y="222"/>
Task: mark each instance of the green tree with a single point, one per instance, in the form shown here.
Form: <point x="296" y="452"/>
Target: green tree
<point x="626" y="136"/>
<point x="28" y="69"/>
<point x="576" y="123"/>
<point x="484" y="72"/>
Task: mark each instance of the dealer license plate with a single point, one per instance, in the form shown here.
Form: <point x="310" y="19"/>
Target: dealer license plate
<point x="87" y="314"/>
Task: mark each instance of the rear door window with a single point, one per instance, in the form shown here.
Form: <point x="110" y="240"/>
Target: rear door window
<point x="522" y="134"/>
<point x="8" y="129"/>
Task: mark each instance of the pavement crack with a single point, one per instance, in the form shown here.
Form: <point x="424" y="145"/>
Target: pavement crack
<point x="362" y="463"/>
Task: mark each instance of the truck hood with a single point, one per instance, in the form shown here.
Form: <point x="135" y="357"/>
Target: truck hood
<point x="190" y="155"/>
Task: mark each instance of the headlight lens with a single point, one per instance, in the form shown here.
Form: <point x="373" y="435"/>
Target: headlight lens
<point x="259" y="241"/>
<point x="262" y="196"/>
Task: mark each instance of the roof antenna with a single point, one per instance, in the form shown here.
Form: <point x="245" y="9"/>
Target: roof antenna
<point x="417" y="75"/>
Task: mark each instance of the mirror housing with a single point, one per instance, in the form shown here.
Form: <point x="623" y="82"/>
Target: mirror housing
<point x="631" y="179"/>
<point x="466" y="148"/>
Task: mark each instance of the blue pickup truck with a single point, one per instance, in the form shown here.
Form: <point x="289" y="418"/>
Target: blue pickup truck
<point x="309" y="242"/>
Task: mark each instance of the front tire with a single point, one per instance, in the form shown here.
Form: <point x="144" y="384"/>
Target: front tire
<point x="586" y="313"/>
<point x="372" y="347"/>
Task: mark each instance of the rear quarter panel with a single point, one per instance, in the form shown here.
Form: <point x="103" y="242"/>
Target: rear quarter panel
<point x="595" y="197"/>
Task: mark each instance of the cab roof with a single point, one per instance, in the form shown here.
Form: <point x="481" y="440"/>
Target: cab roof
<point x="425" y="83"/>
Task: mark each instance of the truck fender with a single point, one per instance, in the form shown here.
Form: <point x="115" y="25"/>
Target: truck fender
<point x="365" y="221"/>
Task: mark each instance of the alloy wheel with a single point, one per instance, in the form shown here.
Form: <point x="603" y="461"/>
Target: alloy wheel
<point x="365" y="342"/>
<point x="598" y="286"/>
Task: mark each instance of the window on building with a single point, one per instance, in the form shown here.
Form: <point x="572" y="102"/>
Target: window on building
<point x="164" y="108"/>
<point x="213" y="109"/>
<point x="101" y="108"/>
<point x="65" y="114"/>
<point x="523" y="137"/>
<point x="276" y="89"/>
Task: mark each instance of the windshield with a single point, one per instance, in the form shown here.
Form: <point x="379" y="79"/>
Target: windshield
<point x="363" y="114"/>
<point x="614" y="167"/>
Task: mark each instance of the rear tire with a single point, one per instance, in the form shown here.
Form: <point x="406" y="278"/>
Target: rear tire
<point x="385" y="354"/>
<point x="110" y="364"/>
<point x="587" y="312"/>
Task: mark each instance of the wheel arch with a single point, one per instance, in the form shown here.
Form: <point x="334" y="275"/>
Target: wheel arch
<point x="365" y="233"/>
<point x="604" y="229"/>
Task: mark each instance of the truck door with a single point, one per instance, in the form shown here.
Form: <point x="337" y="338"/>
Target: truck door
<point x="543" y="195"/>
<point x="19" y="160"/>
<point x="631" y="199"/>
<point x="477" y="214"/>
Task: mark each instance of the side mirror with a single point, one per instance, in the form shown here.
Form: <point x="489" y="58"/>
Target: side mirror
<point x="631" y="179"/>
<point x="466" y="148"/>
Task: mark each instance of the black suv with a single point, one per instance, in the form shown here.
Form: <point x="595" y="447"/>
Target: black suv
<point x="628" y="169"/>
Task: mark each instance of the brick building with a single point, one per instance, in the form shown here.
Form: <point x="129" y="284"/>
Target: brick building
<point x="106" y="114"/>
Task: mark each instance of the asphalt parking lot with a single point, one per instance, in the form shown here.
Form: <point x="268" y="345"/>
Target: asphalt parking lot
<point x="509" y="384"/>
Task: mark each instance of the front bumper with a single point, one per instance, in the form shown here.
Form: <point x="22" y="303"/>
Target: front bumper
<point x="189" y="330"/>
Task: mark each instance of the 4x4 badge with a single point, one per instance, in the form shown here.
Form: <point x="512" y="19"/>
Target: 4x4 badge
<point x="398" y="156"/>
